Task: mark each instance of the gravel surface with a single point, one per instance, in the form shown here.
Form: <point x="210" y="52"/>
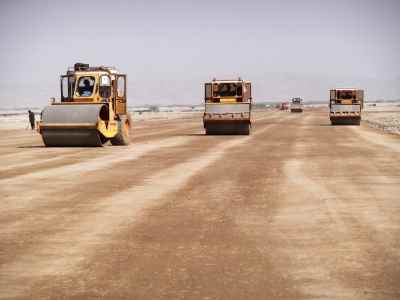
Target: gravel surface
<point x="385" y="117"/>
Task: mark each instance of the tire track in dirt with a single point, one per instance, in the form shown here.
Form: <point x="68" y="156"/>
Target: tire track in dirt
<point x="76" y="242"/>
<point x="22" y="230"/>
<point x="35" y="185"/>
<point x="336" y="254"/>
<point x="16" y="163"/>
<point x="185" y="253"/>
<point x="41" y="181"/>
<point x="25" y="233"/>
<point x="323" y="242"/>
<point x="27" y="162"/>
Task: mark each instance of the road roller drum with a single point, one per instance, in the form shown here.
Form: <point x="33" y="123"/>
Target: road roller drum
<point x="72" y="125"/>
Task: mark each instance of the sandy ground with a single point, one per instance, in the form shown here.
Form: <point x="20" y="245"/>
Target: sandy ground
<point x="385" y="116"/>
<point x="21" y="121"/>
<point x="297" y="210"/>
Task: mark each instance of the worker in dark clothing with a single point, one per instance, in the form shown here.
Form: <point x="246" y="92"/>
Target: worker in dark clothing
<point x="32" y="119"/>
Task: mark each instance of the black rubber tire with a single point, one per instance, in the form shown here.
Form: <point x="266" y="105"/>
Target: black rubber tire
<point x="122" y="137"/>
<point x="246" y="129"/>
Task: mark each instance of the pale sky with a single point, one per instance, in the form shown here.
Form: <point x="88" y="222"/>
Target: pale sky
<point x="287" y="48"/>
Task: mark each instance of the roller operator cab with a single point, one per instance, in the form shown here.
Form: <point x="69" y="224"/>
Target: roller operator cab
<point x="345" y="106"/>
<point x="92" y="109"/>
<point x="227" y="107"/>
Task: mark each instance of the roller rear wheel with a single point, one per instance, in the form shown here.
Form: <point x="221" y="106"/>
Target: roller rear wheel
<point x="122" y="137"/>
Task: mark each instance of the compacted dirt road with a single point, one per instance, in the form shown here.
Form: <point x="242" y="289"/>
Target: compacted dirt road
<point x="297" y="210"/>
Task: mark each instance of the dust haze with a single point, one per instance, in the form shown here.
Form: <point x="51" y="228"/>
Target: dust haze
<point x="287" y="48"/>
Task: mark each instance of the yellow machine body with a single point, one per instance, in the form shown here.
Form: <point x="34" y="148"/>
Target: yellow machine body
<point x="91" y="111"/>
<point x="227" y="107"/>
<point x="345" y="106"/>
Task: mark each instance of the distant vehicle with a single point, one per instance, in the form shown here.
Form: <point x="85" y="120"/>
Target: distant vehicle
<point x="227" y="107"/>
<point x="92" y="109"/>
<point x="296" y="105"/>
<point x="284" y="106"/>
<point x="345" y="106"/>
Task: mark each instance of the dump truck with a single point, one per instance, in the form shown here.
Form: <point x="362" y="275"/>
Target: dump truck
<point x="296" y="105"/>
<point x="227" y="107"/>
<point x="345" y="106"/>
<point x="92" y="109"/>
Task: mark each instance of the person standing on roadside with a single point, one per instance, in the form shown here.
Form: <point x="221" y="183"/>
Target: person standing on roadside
<point x="32" y="119"/>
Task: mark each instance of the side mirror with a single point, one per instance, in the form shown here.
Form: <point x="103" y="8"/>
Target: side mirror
<point x="105" y="81"/>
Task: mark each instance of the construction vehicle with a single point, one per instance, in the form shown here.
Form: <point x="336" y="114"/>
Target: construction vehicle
<point x="283" y="106"/>
<point x="227" y="107"/>
<point x="92" y="109"/>
<point x="296" y="105"/>
<point x="345" y="106"/>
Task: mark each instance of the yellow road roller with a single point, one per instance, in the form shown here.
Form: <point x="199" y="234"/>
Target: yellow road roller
<point x="227" y="107"/>
<point x="345" y="106"/>
<point x="92" y="109"/>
